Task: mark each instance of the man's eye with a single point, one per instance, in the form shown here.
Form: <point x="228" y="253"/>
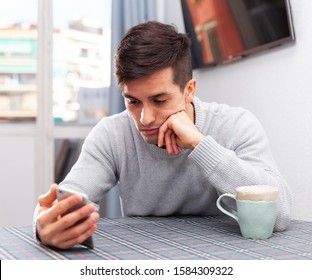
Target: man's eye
<point x="132" y="101"/>
<point x="159" y="101"/>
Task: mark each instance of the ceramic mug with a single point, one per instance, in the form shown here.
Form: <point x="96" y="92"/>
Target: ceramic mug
<point x="256" y="210"/>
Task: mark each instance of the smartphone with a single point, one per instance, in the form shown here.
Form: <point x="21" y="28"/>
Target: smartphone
<point x="62" y="193"/>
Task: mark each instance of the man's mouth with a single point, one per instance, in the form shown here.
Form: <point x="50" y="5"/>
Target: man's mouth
<point x="149" y="131"/>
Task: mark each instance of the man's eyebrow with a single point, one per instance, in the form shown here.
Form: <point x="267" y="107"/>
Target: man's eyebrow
<point x="126" y="95"/>
<point x="157" y="95"/>
<point x="161" y="94"/>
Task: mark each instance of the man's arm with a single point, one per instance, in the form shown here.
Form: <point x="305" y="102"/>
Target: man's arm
<point x="247" y="161"/>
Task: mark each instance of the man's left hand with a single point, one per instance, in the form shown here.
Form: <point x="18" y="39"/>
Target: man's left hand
<point x="178" y="131"/>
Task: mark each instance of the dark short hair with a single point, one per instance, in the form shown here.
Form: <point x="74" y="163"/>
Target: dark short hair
<point x="152" y="46"/>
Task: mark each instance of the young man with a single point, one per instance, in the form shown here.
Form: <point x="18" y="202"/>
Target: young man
<point x="171" y="153"/>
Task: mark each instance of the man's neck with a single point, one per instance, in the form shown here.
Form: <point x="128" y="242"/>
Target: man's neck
<point x="190" y="110"/>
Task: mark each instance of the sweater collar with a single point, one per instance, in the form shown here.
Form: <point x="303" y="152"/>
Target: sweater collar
<point x="199" y="116"/>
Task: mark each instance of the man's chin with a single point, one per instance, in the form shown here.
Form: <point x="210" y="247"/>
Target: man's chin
<point x="151" y="140"/>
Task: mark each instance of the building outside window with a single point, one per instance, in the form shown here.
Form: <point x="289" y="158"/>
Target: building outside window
<point x="81" y="61"/>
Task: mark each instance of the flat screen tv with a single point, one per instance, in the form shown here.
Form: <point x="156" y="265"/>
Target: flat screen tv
<point x="226" y="30"/>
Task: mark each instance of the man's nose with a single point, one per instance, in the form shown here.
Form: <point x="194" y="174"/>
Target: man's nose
<point x="147" y="116"/>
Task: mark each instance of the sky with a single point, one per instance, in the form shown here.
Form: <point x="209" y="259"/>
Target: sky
<point x="63" y="10"/>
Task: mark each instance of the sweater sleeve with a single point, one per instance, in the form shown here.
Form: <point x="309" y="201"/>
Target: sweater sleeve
<point x="242" y="158"/>
<point x="94" y="173"/>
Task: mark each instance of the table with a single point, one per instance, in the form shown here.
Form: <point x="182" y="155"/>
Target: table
<point x="161" y="238"/>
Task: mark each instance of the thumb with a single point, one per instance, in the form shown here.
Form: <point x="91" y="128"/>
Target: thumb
<point x="47" y="199"/>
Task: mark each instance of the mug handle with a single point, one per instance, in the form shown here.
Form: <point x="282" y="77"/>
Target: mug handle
<point x="224" y="210"/>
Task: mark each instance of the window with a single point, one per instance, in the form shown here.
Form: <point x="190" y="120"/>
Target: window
<point x="18" y="60"/>
<point x="81" y="60"/>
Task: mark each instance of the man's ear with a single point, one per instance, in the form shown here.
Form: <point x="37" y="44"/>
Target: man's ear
<point x="189" y="91"/>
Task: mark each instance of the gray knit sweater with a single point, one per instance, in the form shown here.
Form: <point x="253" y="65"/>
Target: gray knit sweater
<point x="234" y="152"/>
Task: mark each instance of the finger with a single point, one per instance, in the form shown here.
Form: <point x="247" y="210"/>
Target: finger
<point x="78" y="240"/>
<point x="66" y="244"/>
<point x="59" y="209"/>
<point x="171" y="143"/>
<point x="161" y="135"/>
<point x="76" y="234"/>
<point x="174" y="144"/>
<point x="168" y="142"/>
<point x="75" y="217"/>
<point x="47" y="199"/>
<point x="79" y="229"/>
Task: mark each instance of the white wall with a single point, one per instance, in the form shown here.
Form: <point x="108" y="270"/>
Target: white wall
<point x="17" y="180"/>
<point x="277" y="87"/>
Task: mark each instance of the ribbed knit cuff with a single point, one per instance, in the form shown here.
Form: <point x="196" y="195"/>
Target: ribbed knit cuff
<point x="34" y="225"/>
<point x="208" y="154"/>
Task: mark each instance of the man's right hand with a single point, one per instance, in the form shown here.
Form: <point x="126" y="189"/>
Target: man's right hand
<point x="60" y="231"/>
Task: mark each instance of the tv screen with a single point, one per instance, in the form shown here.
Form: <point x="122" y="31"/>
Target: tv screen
<point x="226" y="30"/>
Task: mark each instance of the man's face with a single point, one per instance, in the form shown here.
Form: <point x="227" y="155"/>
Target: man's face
<point x="151" y="100"/>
